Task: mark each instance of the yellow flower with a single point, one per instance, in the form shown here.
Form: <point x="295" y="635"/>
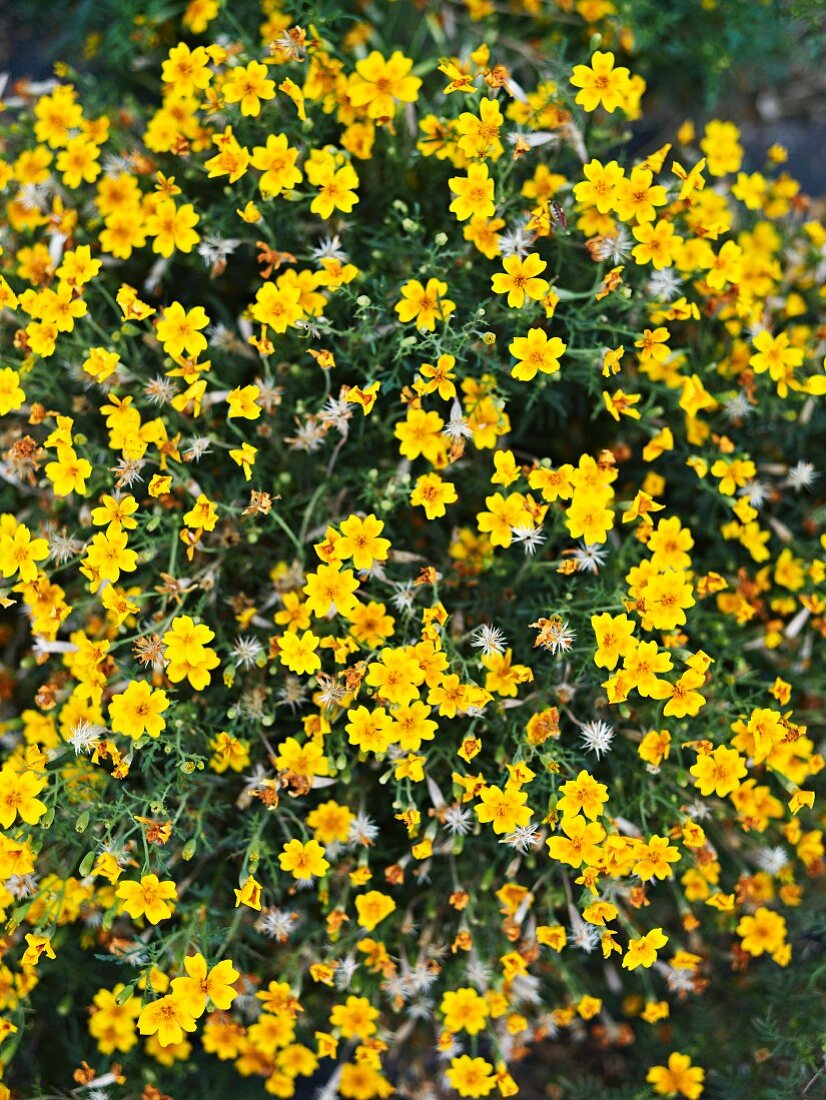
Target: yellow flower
<point x="336" y="189"/>
<point x="464" y="1010"/>
<point x="242" y="402"/>
<point x="249" y="894"/>
<point x="658" y="244"/>
<point x="107" y="555"/>
<point x="360" y="541"/>
<point x="474" y="193"/>
<point x="480" y="134"/>
<point x="420" y="433"/>
<point x="277" y="305"/>
<point x="36" y="946"/>
<point x="298" y="653"/>
<point x="722" y="148"/>
<point x="370" y="731"/>
<point x="580" y="843"/>
<point x="643" y="951"/>
<point x="167" y="1018"/>
<point x="303" y="861"/>
<point x="19" y="553"/>
<point x="372" y="908"/>
<point x="638" y="196"/>
<point x="619" y="404"/>
<point x="200" y="986"/>
<point x="679" y="1078"/>
<point x="600" y="187"/>
<point x="765" y="931"/>
<point x="173" y="228"/>
<point x="506" y="808"/>
<point x="277" y="160"/>
<point x="718" y="772"/>
<point x="602" y="84"/>
<point x="248" y="85"/>
<point x="203" y="515"/>
<point x="379" y="82"/>
<point x="551" y="935"/>
<point x="230" y="752"/>
<point x="433" y="494"/>
<point x="396" y="675"/>
<point x="137" y="711"/>
<point x="150" y="898"/>
<point x="79" y="162"/>
<point x="424" y="304"/>
<point x="330" y="589"/>
<point x="520" y="279"/>
<point x="355" y="1019"/>
<point x="582" y="794"/>
<point x="18" y="795"/>
<point x="178" y="330"/>
<point x="244" y="456"/>
<point x="11" y="395"/>
<point x="471" y="1076"/>
<point x="187" y="654"/>
<point x="116" y="510"/>
<point x="187" y="70"/>
<point x="537" y="353"/>
<point x="330" y="821"/>
<point x="653" y="859"/>
<point x="69" y="473"/>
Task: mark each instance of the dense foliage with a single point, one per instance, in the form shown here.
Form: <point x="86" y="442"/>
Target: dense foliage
<point x="412" y="569"/>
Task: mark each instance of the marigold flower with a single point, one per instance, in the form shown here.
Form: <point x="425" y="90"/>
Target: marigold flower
<point x="602" y="84"/>
<point x="678" y="1078"/>
<point x="643" y="951"/>
<point x="424" y="304"/>
<point x="372" y="908"/>
<point x="718" y="772"/>
<point x="379" y="82"/>
<point x="520" y="279"/>
<point x="303" y="861"/>
<point x="167" y="1018"/>
<point x="148" y="898"/>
